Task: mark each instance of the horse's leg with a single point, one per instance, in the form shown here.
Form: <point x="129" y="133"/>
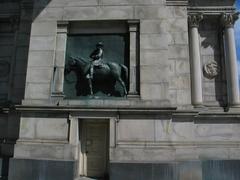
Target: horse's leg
<point x="123" y="85"/>
<point x="90" y="85"/>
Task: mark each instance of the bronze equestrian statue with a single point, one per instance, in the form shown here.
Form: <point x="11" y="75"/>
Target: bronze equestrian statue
<point x="97" y="69"/>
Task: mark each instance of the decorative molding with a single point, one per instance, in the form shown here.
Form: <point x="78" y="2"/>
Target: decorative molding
<point x="170" y="144"/>
<point x="195" y="19"/>
<point x="211" y="70"/>
<point x="176" y="2"/>
<point x="40" y="141"/>
<point x="211" y="10"/>
<point x="110" y="111"/>
<point x="228" y="20"/>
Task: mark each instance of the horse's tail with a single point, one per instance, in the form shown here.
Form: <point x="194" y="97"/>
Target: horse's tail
<point x="124" y="72"/>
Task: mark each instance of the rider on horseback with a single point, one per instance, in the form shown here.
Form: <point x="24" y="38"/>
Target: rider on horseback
<point x="96" y="56"/>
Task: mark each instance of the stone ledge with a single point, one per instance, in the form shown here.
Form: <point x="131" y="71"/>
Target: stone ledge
<point x="178" y="144"/>
<point x="116" y="103"/>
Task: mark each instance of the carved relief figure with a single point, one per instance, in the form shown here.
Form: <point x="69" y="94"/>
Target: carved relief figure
<point x="211" y="70"/>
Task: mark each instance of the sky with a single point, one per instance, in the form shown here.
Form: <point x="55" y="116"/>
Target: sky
<point x="237" y="37"/>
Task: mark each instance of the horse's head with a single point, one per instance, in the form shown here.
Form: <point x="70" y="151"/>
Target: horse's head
<point x="76" y="64"/>
<point x="72" y="61"/>
<point x="70" y="65"/>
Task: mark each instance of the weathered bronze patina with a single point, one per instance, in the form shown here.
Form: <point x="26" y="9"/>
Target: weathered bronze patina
<point x="97" y="74"/>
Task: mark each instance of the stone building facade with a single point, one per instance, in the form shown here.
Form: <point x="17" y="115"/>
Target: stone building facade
<point x="179" y="120"/>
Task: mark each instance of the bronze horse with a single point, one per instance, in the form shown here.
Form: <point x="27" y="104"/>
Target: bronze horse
<point x="108" y="70"/>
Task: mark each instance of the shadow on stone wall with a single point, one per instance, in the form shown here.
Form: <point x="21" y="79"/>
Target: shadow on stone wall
<point x="21" y="14"/>
<point x="212" y="51"/>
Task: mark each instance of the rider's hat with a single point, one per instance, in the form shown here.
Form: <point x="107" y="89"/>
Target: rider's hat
<point x="99" y="44"/>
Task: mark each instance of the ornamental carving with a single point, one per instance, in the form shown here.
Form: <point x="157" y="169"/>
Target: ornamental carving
<point x="211" y="70"/>
<point x="228" y="20"/>
<point x="194" y="19"/>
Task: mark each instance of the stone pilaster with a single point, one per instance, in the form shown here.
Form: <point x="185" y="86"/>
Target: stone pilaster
<point x="74" y="134"/>
<point x="58" y="76"/>
<point x="195" y="61"/>
<point x="228" y="21"/>
<point x="133" y="77"/>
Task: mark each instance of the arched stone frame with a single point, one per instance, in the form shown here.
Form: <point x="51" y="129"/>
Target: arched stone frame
<point x="132" y="26"/>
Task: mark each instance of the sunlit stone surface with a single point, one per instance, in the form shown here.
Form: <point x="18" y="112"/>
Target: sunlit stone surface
<point x="178" y="120"/>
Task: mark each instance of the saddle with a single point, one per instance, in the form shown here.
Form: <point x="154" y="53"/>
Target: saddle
<point x="100" y="65"/>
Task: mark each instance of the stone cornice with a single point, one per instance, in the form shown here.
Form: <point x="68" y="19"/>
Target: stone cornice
<point x="218" y="10"/>
<point x="139" y="110"/>
<point x="176" y="2"/>
<point x="196" y="116"/>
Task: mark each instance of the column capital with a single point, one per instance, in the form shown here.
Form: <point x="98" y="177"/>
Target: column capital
<point x="133" y="25"/>
<point x="194" y="19"/>
<point x="62" y="26"/>
<point x="228" y="20"/>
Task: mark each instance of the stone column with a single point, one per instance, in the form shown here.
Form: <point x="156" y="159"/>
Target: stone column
<point x="195" y="60"/>
<point x="228" y="21"/>
<point x="133" y="72"/>
<point x="58" y="76"/>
